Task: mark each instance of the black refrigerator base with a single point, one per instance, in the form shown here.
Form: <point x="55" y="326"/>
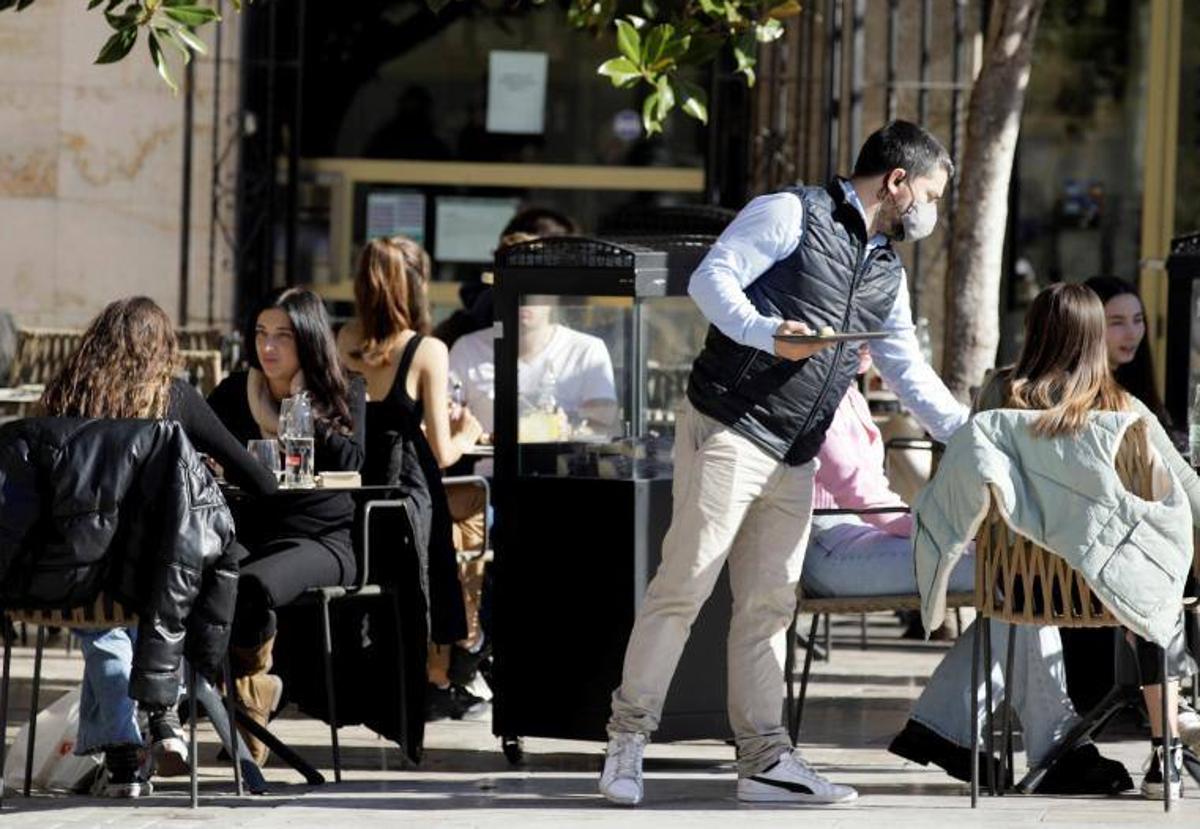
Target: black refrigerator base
<point x="572" y="564"/>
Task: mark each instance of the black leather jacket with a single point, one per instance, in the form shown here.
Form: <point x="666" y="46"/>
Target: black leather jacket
<point x="126" y="507"/>
<point x="831" y="280"/>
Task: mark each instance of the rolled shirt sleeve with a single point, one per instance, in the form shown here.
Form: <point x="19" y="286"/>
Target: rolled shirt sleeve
<point x="901" y="363"/>
<point x="766" y="230"/>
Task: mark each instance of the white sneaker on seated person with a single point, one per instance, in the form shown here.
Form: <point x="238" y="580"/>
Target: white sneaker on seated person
<point x="791" y="780"/>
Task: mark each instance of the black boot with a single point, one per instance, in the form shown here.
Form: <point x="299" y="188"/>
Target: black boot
<point x="1084" y="771"/>
<point x="922" y="745"/>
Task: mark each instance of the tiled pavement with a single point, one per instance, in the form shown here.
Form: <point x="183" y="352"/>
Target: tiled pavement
<point x="858" y="701"/>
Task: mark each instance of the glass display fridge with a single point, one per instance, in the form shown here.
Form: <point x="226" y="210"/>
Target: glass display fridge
<point x="593" y="342"/>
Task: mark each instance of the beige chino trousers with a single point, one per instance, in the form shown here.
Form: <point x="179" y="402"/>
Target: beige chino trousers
<point x="732" y="502"/>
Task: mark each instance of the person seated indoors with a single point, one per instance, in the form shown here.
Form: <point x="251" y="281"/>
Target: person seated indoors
<point x="553" y="361"/>
<point x="1063" y="370"/>
<point x="126" y="366"/>
<point x="477" y="311"/>
<point x="299" y="540"/>
<point x="407" y="379"/>
<point x="871" y="555"/>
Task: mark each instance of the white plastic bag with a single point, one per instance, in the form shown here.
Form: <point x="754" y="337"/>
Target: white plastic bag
<point x="55" y="766"/>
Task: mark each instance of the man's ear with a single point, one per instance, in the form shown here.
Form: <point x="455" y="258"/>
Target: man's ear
<point x="894" y="179"/>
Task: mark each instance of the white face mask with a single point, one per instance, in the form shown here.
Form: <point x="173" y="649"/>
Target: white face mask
<point x="919" y="220"/>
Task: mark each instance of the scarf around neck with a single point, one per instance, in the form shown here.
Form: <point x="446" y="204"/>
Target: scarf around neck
<point x="264" y="408"/>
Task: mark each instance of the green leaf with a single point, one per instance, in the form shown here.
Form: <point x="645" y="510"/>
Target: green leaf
<point x="694" y="100"/>
<point x="650" y="9"/>
<point x="745" y="52"/>
<point x="169" y="36"/>
<point x="188" y="37"/>
<point x="650" y="120"/>
<point x="160" y="62"/>
<point x="770" y="31"/>
<point x="191" y="15"/>
<point x="125" y="20"/>
<point x="118" y="46"/>
<point x="712" y="8"/>
<point x="94" y="3"/>
<point x="621" y="71"/>
<point x="436" y="6"/>
<point x="666" y="98"/>
<point x="656" y="42"/>
<point x="629" y="41"/>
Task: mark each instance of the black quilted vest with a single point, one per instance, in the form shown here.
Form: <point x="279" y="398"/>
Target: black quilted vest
<point x="832" y="280"/>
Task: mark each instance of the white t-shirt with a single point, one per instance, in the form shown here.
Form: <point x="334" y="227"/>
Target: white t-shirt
<point x="580" y="363"/>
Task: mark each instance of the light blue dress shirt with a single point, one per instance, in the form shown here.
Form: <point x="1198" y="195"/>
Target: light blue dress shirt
<point x="769" y="229"/>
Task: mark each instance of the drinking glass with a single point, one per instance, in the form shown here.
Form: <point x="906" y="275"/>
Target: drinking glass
<point x="267" y="453"/>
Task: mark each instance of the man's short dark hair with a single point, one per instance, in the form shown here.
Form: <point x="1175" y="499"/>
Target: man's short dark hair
<point x="541" y="221"/>
<point x="902" y="144"/>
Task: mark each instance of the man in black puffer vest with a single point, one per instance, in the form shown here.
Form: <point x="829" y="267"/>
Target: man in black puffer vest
<point x="807" y="260"/>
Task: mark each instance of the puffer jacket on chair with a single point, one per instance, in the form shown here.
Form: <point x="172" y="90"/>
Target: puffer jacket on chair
<point x="127" y="508"/>
<point x="1064" y="494"/>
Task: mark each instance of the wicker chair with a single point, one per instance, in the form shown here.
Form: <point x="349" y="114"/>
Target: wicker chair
<point x="1021" y="583"/>
<point x="41" y="353"/>
<point x="103" y="614"/>
<point x="199" y="339"/>
<point x="203" y="369"/>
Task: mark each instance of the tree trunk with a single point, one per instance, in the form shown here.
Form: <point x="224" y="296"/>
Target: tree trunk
<point x="972" y="331"/>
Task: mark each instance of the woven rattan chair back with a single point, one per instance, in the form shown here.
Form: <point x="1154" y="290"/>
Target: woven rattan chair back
<point x="1018" y="581"/>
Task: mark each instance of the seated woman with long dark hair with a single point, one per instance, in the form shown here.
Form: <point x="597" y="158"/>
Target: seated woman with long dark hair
<point x="126" y="367"/>
<point x="295" y="541"/>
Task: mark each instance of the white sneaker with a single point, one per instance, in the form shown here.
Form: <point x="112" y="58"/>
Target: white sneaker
<point x="791" y="780"/>
<point x="1153" y="784"/>
<point x="621" y="781"/>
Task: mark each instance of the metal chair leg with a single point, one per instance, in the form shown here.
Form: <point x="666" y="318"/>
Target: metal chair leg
<point x="862" y="631"/>
<point x="193" y="752"/>
<point x="974" y="696"/>
<point x="231" y="711"/>
<point x="33" y="708"/>
<point x="4" y="680"/>
<point x="402" y="676"/>
<point x="808" y="660"/>
<point x="828" y="640"/>
<point x="990" y="731"/>
<point x="1006" y="753"/>
<point x="1168" y="754"/>
<point x="330" y="692"/>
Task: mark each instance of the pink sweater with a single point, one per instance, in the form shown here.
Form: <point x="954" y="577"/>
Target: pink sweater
<point x="850" y="475"/>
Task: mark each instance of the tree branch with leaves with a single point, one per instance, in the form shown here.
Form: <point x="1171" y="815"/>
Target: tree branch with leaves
<point x="168" y="24"/>
<point x="654" y="48"/>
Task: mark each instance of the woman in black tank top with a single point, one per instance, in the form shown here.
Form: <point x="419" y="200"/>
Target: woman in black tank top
<point x="413" y="433"/>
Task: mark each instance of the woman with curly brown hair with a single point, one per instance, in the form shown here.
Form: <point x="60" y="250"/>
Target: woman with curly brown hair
<point x="126" y="366"/>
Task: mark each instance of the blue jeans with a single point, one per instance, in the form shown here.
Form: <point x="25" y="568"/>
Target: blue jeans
<point x="107" y="716"/>
<point x="1038" y="685"/>
<point x="860" y="560"/>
